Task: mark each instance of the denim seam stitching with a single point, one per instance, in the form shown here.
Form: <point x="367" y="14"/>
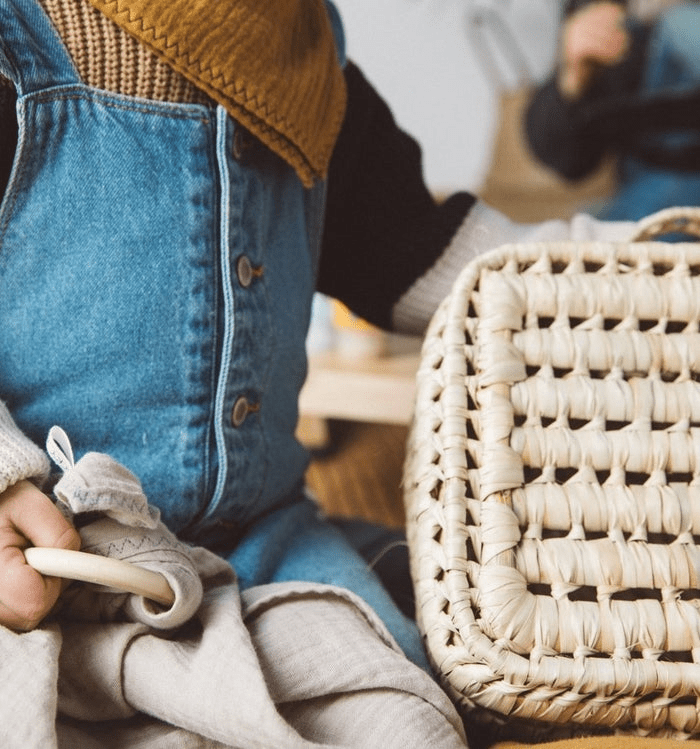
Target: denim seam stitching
<point x="93" y="95"/>
<point x="227" y="288"/>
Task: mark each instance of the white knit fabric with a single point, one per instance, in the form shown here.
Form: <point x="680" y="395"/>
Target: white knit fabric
<point x="20" y="458"/>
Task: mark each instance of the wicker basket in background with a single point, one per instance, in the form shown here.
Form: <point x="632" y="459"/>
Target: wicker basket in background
<point x="552" y="483"/>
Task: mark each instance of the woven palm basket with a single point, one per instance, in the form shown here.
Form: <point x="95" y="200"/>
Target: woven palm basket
<point x="552" y="484"/>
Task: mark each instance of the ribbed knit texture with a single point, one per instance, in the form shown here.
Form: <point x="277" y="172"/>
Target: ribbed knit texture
<point x="272" y="63"/>
<point x="108" y="58"/>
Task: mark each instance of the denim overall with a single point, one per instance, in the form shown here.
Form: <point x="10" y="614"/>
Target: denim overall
<point x="672" y="65"/>
<point x="157" y="268"/>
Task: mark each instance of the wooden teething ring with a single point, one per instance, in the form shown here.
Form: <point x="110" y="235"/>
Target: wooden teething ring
<point x="91" y="568"/>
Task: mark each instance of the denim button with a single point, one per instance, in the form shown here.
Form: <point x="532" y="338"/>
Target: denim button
<point x="244" y="271"/>
<point x="240" y="411"/>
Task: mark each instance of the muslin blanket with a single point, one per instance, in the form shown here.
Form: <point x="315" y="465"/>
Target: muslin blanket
<point x="283" y="666"/>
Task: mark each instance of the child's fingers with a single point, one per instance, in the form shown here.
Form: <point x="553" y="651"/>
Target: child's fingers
<point x="28" y="517"/>
<point x="25" y="595"/>
<point x="34" y="517"/>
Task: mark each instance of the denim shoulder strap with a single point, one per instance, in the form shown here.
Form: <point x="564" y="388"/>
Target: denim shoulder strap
<point x="32" y="54"/>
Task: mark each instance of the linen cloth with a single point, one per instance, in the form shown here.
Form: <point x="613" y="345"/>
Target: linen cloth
<point x="281" y="665"/>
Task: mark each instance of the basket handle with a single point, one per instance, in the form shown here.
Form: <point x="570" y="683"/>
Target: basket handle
<point x="666" y="221"/>
<point x="91" y="568"/>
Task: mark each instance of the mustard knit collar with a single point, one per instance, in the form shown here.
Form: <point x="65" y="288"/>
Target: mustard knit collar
<point x="271" y="63"/>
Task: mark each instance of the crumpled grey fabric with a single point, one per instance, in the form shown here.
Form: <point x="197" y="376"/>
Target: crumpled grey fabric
<point x="284" y="666"/>
<point x="125" y="527"/>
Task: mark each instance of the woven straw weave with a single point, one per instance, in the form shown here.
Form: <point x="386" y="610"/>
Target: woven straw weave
<point x="552" y="483"/>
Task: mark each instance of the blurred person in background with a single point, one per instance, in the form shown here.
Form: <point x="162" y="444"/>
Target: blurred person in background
<point x="626" y="85"/>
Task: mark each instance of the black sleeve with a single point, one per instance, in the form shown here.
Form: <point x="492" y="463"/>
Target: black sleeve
<point x="383" y="228"/>
<point x="8" y="131"/>
<point x="559" y="134"/>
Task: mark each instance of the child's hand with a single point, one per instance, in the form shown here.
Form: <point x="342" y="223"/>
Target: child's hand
<point x="29" y="518"/>
<point x="593" y="38"/>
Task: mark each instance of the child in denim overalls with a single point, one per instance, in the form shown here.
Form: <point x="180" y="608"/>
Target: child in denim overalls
<point x="158" y="264"/>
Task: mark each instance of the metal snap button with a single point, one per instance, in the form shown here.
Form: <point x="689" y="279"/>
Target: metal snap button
<point x="244" y="271"/>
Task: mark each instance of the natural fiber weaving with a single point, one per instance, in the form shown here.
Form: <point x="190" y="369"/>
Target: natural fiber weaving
<point x="553" y="484"/>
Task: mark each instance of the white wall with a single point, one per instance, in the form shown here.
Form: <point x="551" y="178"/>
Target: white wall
<point x="419" y="55"/>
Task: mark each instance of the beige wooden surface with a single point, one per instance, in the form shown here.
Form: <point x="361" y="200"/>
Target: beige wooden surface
<point x="368" y="389"/>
